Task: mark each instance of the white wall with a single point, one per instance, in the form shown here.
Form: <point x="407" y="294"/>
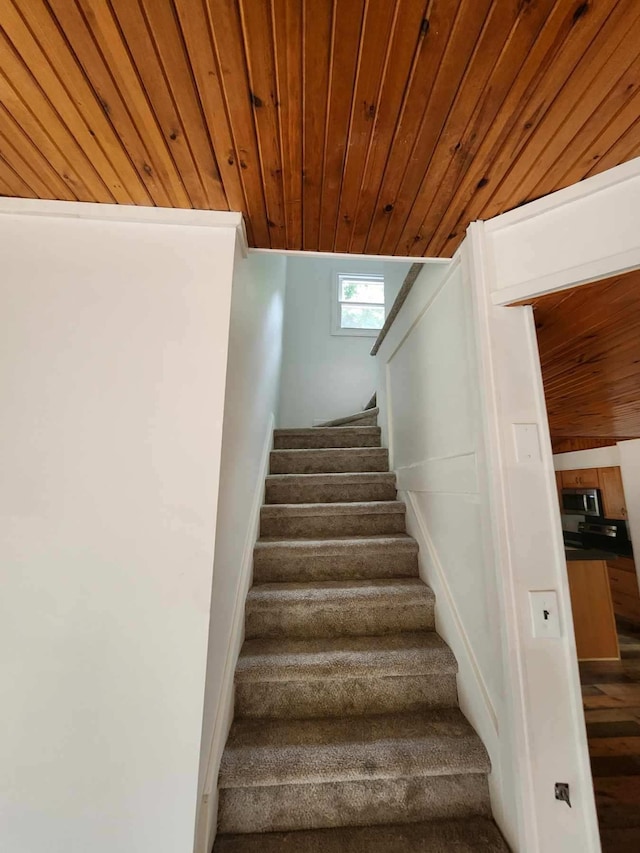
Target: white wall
<point x="324" y="376"/>
<point x="253" y="380"/>
<point x="595" y="457"/>
<point x="112" y="381"/>
<point x="431" y="411"/>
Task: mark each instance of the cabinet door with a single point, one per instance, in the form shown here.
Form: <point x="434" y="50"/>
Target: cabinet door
<point x="612" y="493"/>
<point x="559" y="487"/>
<point x="581" y="478"/>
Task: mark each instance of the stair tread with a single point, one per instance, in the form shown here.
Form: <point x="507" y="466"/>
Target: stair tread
<point x="340" y="543"/>
<point x="462" y="836"/>
<point x="381" y="451"/>
<point x="355" y="417"/>
<point x="339" y="477"/>
<point x="376" y="592"/>
<point x="368" y="430"/>
<point x="439" y="742"/>
<point x="334" y="508"/>
<point x="412" y="653"/>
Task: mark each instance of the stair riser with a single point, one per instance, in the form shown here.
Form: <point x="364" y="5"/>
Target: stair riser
<point x="294" y="493"/>
<point x="379" y="801"/>
<point x="309" y="527"/>
<point x="349" y="620"/>
<point x="331" y="697"/>
<point x="334" y="462"/>
<point x="340" y="438"/>
<point x="282" y="567"/>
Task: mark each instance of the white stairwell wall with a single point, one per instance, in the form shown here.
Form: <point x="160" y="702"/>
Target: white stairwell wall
<point x="253" y="386"/>
<point x="430" y="412"/>
<point x="114" y="348"/>
<point x="325" y="376"/>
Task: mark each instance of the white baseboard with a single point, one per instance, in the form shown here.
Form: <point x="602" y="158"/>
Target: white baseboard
<point x="208" y="807"/>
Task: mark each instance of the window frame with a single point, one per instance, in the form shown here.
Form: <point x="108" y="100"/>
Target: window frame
<point x="336" y="314"/>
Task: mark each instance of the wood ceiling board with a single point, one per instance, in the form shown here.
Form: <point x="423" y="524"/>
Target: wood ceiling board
<point x="559" y="118"/>
<point x="589" y="342"/>
<point x="383" y="126"/>
<point x="287" y="38"/>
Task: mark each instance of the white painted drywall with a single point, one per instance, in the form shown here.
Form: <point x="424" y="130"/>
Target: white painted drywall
<point x="429" y="371"/>
<point x="253" y="383"/>
<point x="324" y="376"/>
<point x="629" y="452"/>
<point x="112" y="381"/>
<point x="596" y="457"/>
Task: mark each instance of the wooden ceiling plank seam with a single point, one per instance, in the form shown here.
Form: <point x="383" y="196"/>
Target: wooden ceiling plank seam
<point x="413" y="25"/>
<point x="111" y="42"/>
<point x="346" y="57"/>
<point x="259" y="57"/>
<point x="379" y="27"/>
<point x="124" y="33"/>
<point x="317" y="27"/>
<point x="620" y="93"/>
<point x="450" y="85"/>
<point x="44" y="29"/>
<point x="528" y="22"/>
<point x="30" y="107"/>
<point x="195" y="24"/>
<point x="478" y="182"/>
<point x="572" y="106"/>
<point x="19" y="187"/>
<point x="367" y="93"/>
<point x="36" y="136"/>
<point x="537" y="104"/>
<point x="102" y="148"/>
<point x="436" y="32"/>
<point x="625" y="148"/>
<point x="286" y="21"/>
<point x="226" y="33"/>
<point x="607" y="134"/>
<point x="14" y="159"/>
<point x="496" y="31"/>
<point x="15" y="136"/>
<point x="411" y="120"/>
<point x="148" y="160"/>
<point x="164" y="30"/>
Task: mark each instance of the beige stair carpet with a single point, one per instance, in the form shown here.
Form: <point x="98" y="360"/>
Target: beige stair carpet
<point x="347" y="736"/>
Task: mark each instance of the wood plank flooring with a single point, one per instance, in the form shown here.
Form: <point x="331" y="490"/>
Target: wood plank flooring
<point x="611" y="699"/>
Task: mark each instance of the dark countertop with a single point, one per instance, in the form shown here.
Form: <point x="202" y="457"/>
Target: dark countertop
<point x="573" y="553"/>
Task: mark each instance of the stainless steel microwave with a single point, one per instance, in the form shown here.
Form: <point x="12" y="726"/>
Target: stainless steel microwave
<point x="581" y="502"/>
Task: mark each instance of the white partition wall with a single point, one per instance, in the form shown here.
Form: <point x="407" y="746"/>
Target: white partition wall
<point x="429" y="376"/>
<point x="112" y="377"/>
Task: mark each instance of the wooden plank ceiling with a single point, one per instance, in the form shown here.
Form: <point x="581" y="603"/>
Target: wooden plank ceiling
<point x="589" y="341"/>
<point x="375" y="126"/>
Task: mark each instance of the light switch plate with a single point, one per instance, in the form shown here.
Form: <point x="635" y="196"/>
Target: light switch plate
<point x="544" y="613"/>
<point x="527" y="441"/>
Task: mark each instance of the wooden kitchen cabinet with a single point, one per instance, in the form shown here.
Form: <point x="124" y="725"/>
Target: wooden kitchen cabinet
<point x="559" y="487"/>
<point x="623" y="581"/>
<point x="593" y="618"/>
<point x="613" y="501"/>
<point x="581" y="478"/>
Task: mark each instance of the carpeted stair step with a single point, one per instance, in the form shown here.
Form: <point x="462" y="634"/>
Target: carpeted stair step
<point x="329" y="460"/>
<point x="306" y="521"/>
<point x="314" y="437"/>
<point x="365" y="418"/>
<point x="339" y="608"/>
<point x="307" y="774"/>
<point x="329" y="488"/>
<point x="345" y="676"/>
<point x="450" y="836"/>
<point x="335" y="559"/>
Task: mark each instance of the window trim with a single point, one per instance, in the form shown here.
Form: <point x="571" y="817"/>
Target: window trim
<point x="336" y="328"/>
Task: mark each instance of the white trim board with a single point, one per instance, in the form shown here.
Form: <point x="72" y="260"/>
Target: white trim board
<point x="205" y="833"/>
<point x="352" y="257"/>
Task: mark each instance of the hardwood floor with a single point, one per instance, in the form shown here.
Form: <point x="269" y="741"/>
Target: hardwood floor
<point x="611" y="699"/>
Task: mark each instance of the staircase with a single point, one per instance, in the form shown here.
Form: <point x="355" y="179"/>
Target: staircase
<point x="347" y="735"/>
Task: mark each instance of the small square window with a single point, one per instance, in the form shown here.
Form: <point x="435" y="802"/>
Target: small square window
<point x="358" y="305"/>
